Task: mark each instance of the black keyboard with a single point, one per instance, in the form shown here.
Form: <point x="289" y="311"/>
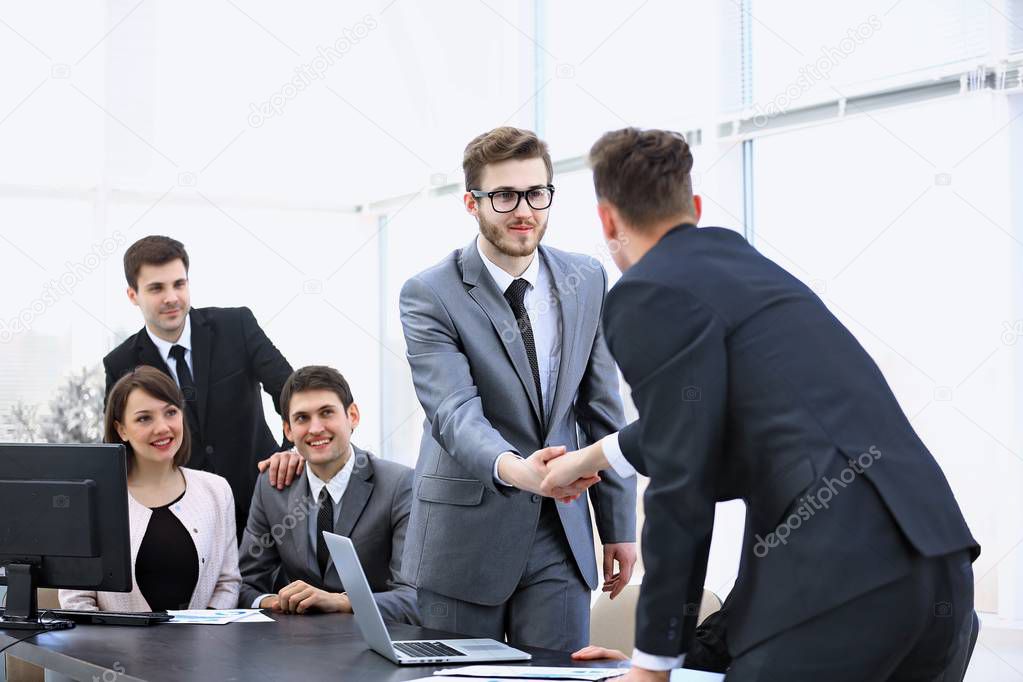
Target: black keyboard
<point x="106" y="617"/>
<point x="426" y="649"/>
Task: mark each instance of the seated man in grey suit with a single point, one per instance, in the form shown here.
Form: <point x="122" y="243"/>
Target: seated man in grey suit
<point x="345" y="491"/>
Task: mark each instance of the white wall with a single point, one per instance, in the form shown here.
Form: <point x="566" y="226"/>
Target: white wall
<point x="120" y="120"/>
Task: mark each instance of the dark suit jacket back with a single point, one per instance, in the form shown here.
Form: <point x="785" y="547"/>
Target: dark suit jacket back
<point x="231" y="357"/>
<point x="748" y="387"/>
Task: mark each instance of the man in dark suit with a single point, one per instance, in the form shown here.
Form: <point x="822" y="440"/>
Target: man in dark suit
<point x="856" y="560"/>
<point x="346" y="491"/>
<point x="218" y="356"/>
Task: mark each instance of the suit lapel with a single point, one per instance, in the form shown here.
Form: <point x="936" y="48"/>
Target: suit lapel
<point x="568" y="300"/>
<point x="299" y="498"/>
<point x="202" y="341"/>
<point x="360" y="487"/>
<point x="146" y="353"/>
<point x="484" y="291"/>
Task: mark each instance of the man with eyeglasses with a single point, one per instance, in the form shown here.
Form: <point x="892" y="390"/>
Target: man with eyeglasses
<point x="510" y="365"/>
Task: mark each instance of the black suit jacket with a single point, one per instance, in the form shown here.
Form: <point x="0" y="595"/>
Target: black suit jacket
<point x="749" y="388"/>
<point x="231" y="357"/>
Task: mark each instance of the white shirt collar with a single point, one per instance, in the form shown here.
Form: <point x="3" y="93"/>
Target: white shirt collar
<point x="184" y="340"/>
<point x="502" y="278"/>
<point x="337" y="485"/>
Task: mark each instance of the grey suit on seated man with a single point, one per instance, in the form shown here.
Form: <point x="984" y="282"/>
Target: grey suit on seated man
<point x="346" y="491"/>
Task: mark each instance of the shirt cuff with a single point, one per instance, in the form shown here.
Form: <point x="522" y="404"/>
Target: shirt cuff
<point x="614" y="456"/>
<point x="647" y="661"/>
<point x="255" y="603"/>
<point x="497" y="462"/>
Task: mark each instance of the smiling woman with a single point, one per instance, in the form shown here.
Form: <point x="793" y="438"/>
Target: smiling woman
<point x="144" y="411"/>
<point x="182" y="520"/>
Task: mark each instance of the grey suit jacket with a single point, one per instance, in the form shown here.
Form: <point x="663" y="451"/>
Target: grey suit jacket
<point x="374" y="514"/>
<point x="468" y="537"/>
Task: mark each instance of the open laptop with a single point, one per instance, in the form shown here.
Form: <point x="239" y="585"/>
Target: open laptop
<point x="405" y="652"/>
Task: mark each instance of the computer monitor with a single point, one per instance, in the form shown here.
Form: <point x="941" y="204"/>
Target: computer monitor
<point x="63" y="524"/>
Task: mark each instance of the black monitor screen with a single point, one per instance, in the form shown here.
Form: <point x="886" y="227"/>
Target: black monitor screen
<point x="64" y="509"/>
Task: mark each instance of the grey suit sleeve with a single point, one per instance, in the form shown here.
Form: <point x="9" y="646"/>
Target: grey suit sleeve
<point x="398" y="603"/>
<point x="258" y="557"/>
<point x="599" y="412"/>
<point x="445" y="386"/>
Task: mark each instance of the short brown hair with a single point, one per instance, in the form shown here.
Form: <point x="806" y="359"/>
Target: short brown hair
<point x="502" y="144"/>
<point x="160" y="386"/>
<point x="315" y="378"/>
<point x="152" y="250"/>
<point x="644" y="173"/>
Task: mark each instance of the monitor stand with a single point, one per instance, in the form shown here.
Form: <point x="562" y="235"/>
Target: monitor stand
<point x="21" y="612"/>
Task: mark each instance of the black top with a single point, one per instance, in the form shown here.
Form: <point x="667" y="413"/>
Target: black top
<point x="167" y="566"/>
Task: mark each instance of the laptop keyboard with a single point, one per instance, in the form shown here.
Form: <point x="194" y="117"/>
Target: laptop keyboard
<point x="426" y="649"/>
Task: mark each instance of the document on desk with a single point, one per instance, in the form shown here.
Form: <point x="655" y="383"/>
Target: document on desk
<point x="217" y="616"/>
<point x="256" y="616"/>
<point x="683" y="675"/>
<point x="530" y="674"/>
<point x="448" y="678"/>
<point x="513" y="673"/>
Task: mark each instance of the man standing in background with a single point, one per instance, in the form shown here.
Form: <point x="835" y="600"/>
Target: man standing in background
<point x="510" y="365"/>
<point x="219" y="357"/>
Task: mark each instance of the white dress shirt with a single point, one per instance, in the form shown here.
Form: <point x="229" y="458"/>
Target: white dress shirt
<point x="336" y="488"/>
<point x="185" y="340"/>
<point x="544" y="313"/>
<point x="613" y="455"/>
<point x="544" y="317"/>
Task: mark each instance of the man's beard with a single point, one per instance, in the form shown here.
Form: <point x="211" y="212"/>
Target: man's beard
<point x="171" y="327"/>
<point x="505" y="243"/>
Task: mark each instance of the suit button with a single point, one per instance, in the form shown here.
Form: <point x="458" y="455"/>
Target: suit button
<point x="535" y="498"/>
<point x="209" y="449"/>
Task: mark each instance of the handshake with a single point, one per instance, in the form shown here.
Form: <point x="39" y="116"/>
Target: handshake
<point x="554" y="472"/>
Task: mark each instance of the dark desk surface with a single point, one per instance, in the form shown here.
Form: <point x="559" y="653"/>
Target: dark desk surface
<point x="310" y="647"/>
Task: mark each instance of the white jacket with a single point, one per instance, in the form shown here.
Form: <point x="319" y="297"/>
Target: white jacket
<point x="207" y="512"/>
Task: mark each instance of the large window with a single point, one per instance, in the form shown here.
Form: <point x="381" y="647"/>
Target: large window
<point x="310" y="159"/>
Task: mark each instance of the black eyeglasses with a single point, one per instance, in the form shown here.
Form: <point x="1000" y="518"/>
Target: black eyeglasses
<point x="507" y="200"/>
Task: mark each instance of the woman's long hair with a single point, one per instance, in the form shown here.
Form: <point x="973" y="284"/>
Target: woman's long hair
<point x="159" y="386"/>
